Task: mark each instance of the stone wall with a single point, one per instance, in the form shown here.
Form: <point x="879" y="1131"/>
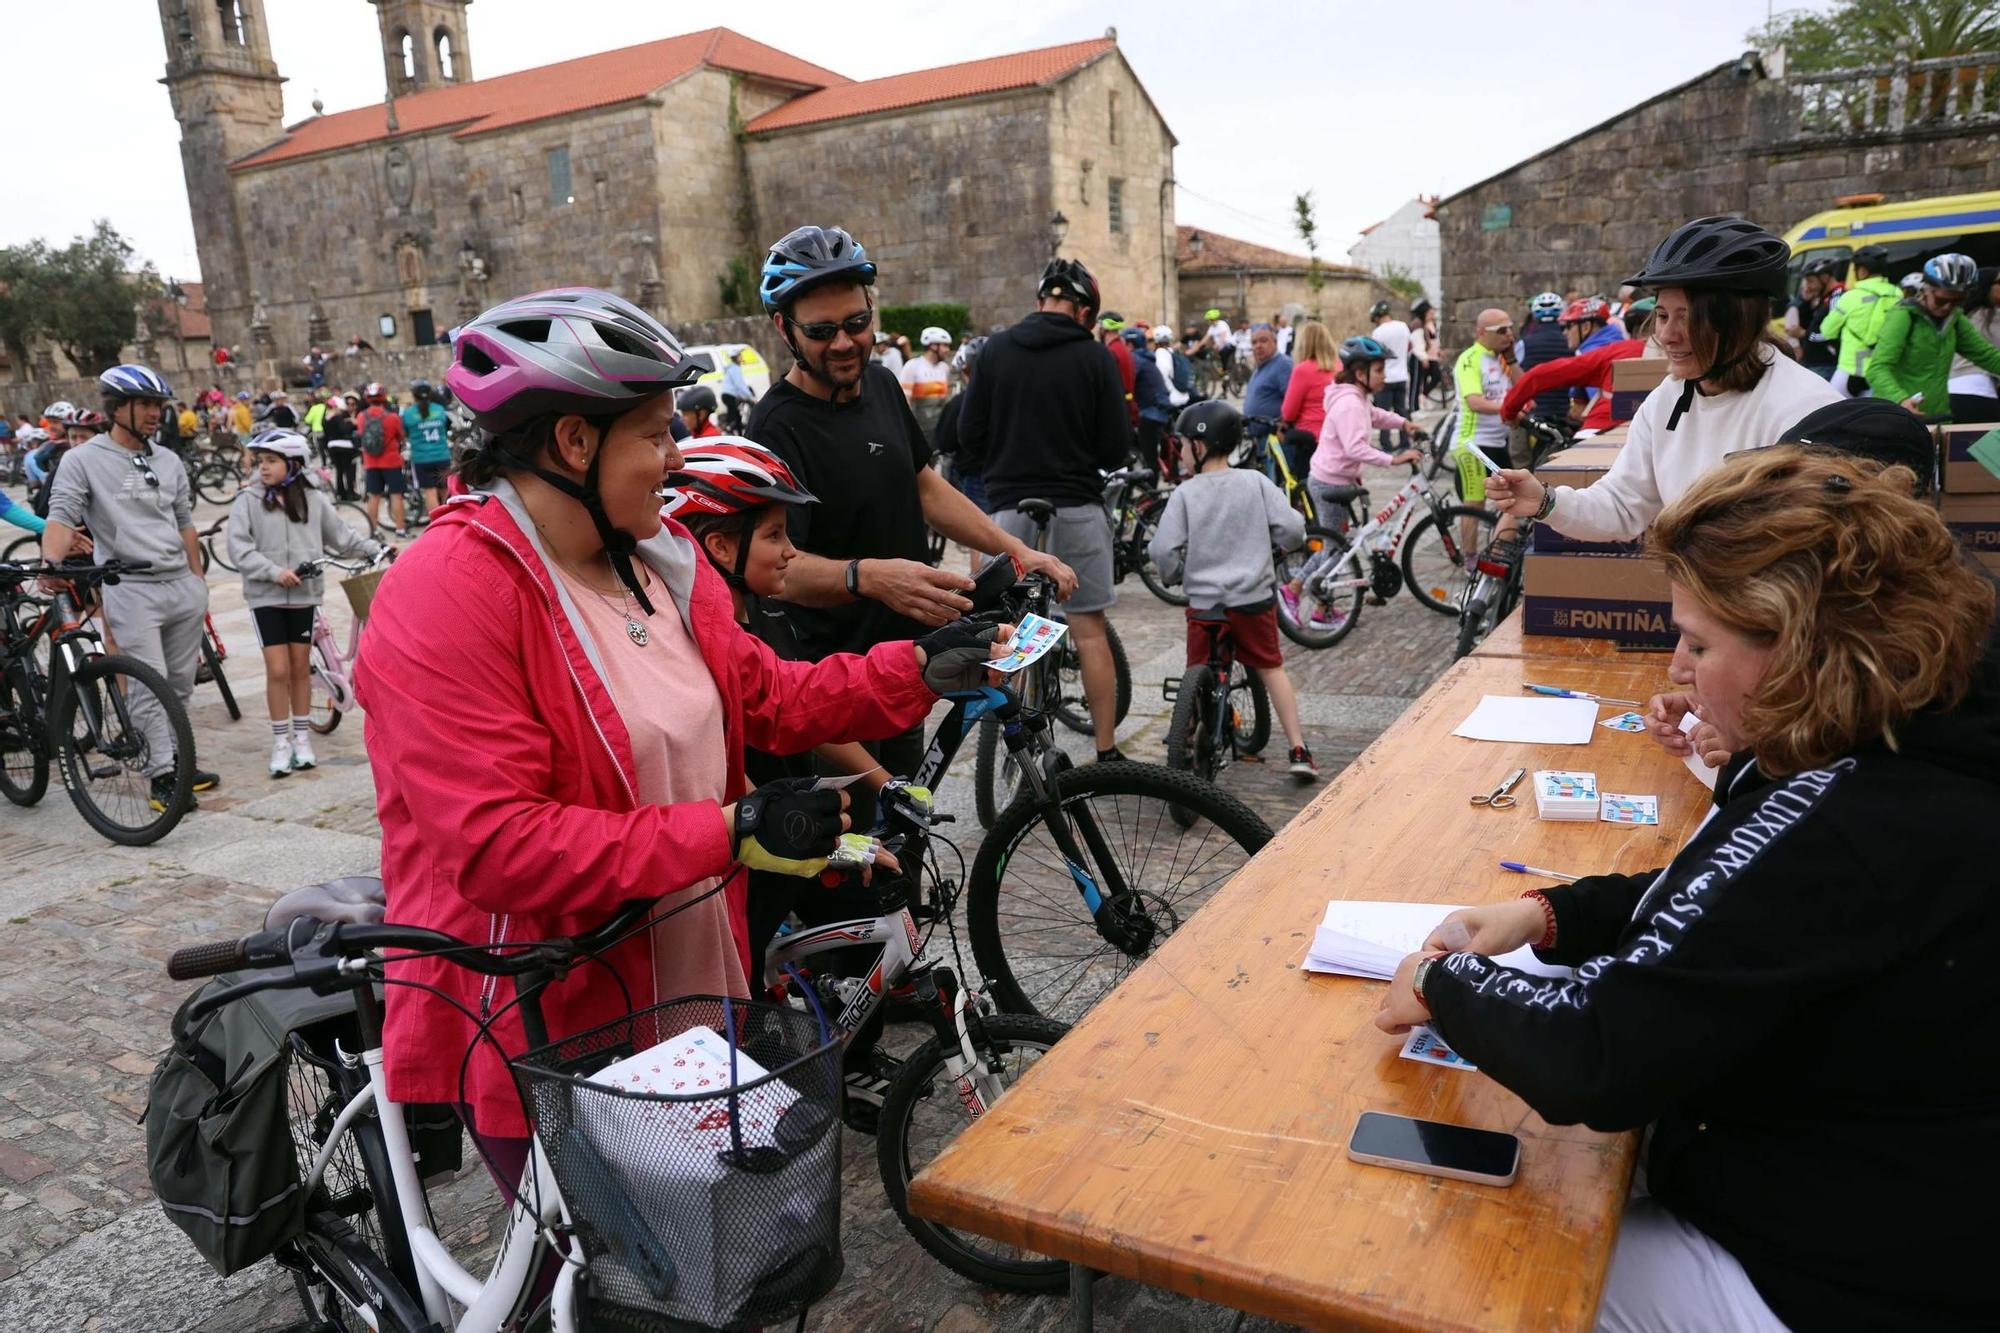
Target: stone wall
<point x="952" y="201"/>
<point x="1587" y="213"/>
<point x="1342" y="305"/>
<point x="1133" y="265"/>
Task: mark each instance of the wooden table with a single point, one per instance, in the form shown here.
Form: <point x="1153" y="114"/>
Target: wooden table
<point x="1191" y="1131"/>
<point x="1508" y="640"/>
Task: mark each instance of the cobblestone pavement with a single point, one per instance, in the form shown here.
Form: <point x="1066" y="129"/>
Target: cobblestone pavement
<point x="87" y="927"/>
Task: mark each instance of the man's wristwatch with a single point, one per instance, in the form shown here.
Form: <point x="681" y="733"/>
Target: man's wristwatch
<point x="854" y="578"/>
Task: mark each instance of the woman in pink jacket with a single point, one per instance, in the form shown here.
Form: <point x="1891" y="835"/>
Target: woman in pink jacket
<point x="558" y="696"/>
<point x="1350" y="419"/>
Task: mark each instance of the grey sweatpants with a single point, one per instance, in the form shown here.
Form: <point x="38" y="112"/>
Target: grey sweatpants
<point x="160" y="624"/>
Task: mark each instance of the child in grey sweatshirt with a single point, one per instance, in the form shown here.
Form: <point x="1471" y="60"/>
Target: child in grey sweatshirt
<point x="1215" y="536"/>
<point x="277" y="523"/>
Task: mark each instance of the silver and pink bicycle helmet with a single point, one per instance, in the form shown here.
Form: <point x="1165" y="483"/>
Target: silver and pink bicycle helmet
<point x="573" y="349"/>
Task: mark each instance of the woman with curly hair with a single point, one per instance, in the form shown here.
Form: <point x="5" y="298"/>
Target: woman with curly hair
<point x="1796" y="1007"/>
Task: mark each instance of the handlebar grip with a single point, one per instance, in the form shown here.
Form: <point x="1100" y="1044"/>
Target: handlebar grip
<point x="207" y="960"/>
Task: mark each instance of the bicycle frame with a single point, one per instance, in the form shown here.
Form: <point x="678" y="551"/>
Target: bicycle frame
<point x="1368" y="539"/>
<point x="329" y="664"/>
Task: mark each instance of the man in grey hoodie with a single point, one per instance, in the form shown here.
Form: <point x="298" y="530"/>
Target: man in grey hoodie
<point x="136" y="502"/>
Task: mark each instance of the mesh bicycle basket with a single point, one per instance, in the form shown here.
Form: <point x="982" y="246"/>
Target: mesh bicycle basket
<point x="360" y="590"/>
<point x="697" y="1145"/>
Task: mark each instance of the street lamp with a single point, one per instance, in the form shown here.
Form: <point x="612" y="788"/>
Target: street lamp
<point x="1194" y="244"/>
<point x="1058" y="232"/>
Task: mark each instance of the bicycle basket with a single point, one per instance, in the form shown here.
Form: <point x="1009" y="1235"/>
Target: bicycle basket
<point x="360" y="590"/>
<point x="697" y="1145"/>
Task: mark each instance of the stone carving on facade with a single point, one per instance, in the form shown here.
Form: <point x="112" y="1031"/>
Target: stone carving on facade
<point x="471" y="283"/>
<point x="410" y="270"/>
<point x="319" y="329"/>
<point x="652" y="291"/>
<point x="260" y="328"/>
<point x="401" y="174"/>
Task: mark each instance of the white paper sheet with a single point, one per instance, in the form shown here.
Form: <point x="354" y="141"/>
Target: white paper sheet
<point x="1507" y="717"/>
<point x="1702" y="772"/>
<point x="1370" y="939"/>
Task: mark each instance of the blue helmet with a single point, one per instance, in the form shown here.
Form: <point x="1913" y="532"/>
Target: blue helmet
<point x="134" y="381"/>
<point x="1362" y="348"/>
<point x="807" y="257"/>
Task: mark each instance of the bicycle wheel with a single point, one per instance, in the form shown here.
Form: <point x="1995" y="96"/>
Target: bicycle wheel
<point x="1325" y="615"/>
<point x="323" y="714"/>
<point x="996" y="774"/>
<point x="1149" y="573"/>
<point x="1436" y="563"/>
<point x="217" y="553"/>
<point x="922" y="1114"/>
<point x="22" y="550"/>
<point x="106" y="756"/>
<point x="24" y="750"/>
<point x="347" y="1287"/>
<point x="213" y="661"/>
<point x="217" y="482"/>
<point x="355" y="516"/>
<point x="1036" y="943"/>
<point x="1191" y="733"/>
<point x="1242" y="681"/>
<point x="1071" y="709"/>
<point x="1480" y="613"/>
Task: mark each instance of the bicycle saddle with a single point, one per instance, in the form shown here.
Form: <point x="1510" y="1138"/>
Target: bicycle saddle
<point x="354" y="899"/>
<point x="1039" y="510"/>
<point x="1340" y="495"/>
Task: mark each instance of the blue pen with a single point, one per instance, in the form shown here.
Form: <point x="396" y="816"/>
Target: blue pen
<point x="1521" y="869"/>
<point x="1556" y="692"/>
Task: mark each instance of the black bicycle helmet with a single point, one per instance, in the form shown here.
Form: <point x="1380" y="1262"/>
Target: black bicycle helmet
<point x="1379" y="309"/>
<point x="1825" y="268"/>
<point x="1212" y="427"/>
<point x="1872" y="428"/>
<point x="1069" y="280"/>
<point x="1420" y="307"/>
<point x="1874" y="258"/>
<point x="700" y="398"/>
<point x="1727" y="253"/>
<point x="808" y="257"/>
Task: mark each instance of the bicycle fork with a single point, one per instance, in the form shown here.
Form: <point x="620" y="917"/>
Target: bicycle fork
<point x="952" y="1017"/>
<point x="1118" y="915"/>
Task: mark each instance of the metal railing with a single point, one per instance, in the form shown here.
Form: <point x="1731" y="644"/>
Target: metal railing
<point x="1949" y="93"/>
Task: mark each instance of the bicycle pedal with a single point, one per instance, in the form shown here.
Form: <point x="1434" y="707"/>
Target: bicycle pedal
<point x="1249" y="758"/>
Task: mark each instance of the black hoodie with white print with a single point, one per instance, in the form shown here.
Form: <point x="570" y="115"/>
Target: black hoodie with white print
<point x="1800" y="1006"/>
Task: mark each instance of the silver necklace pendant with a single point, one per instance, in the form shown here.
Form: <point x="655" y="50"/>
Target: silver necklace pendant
<point x="636" y="632"/>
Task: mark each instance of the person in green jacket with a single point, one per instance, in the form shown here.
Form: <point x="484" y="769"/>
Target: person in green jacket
<point x="1856" y="318"/>
<point x="1911" y="363"/>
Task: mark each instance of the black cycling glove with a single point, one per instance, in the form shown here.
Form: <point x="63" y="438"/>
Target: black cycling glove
<point x="787" y="827"/>
<point x="955" y="655"/>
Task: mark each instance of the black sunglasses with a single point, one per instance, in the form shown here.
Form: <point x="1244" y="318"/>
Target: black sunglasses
<point x="146" y="469"/>
<point x="855" y="325"/>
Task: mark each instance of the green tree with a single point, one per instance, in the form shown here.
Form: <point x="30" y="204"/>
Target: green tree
<point x="22" y="302"/>
<point x="1307" y="227"/>
<point x="1400" y="281"/>
<point x="92" y="295"/>
<point x="1866" y="32"/>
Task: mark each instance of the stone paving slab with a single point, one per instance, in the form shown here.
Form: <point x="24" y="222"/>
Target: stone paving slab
<point x="87" y="927"/>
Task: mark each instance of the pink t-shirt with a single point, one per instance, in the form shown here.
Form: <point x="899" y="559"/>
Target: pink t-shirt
<point x="670" y="707"/>
<point x="1305" y="397"/>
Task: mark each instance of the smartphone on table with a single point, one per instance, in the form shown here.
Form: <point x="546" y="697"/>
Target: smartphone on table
<point x="1432" y="1148"/>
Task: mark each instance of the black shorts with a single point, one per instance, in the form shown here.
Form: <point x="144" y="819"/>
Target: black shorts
<point x="384" y="480"/>
<point x="430" y="476"/>
<point x="283" y="624"/>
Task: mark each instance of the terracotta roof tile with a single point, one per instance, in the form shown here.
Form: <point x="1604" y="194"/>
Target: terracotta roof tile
<point x="190" y="320"/>
<point x="528" y="95"/>
<point x="1221" y="253"/>
<point x="1025" y="69"/>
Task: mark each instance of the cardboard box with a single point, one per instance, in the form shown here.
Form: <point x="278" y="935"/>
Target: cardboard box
<point x="1578" y="465"/>
<point x="1546" y="540"/>
<point x="1964" y="474"/>
<point x="1631" y="380"/>
<point x="1975" y="521"/>
<point x="1624" y="598"/>
<point x="1615" y="435"/>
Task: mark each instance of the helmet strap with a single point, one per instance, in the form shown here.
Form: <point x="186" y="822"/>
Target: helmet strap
<point x="618" y="544"/>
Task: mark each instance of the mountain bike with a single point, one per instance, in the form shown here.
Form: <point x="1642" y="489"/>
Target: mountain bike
<point x="1495" y="588"/>
<point x="1133" y="503"/>
<point x="625" y="1193"/>
<point x="101" y="716"/>
<point x="1412" y="542"/>
<point x="1221" y="709"/>
<point x="214" y="652"/>
<point x="333" y="665"/>
<point x="1053" y="685"/>
<point x="1264" y="451"/>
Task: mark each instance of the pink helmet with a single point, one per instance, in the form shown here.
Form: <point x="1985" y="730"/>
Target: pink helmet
<point x="574" y="349"/>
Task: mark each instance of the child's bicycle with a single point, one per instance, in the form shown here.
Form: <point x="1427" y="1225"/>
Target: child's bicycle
<point x="653" y="1211"/>
<point x="1264" y="451"/>
<point x="332" y="664"/>
<point x="1211" y="727"/>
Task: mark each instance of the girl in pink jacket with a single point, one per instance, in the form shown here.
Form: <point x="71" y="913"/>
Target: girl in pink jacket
<point x="1350" y="420"/>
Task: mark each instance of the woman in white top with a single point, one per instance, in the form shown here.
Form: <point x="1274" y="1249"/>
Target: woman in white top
<point x="1975" y="396"/>
<point x="1728" y="388"/>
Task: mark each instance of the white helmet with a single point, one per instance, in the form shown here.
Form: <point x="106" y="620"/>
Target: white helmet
<point x="61" y="410"/>
<point x="291" y="444"/>
<point x="934" y="337"/>
<point x="30" y="436"/>
<point x="1162" y="334"/>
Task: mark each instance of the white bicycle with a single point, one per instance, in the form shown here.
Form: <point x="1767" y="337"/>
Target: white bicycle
<point x="626" y="1217"/>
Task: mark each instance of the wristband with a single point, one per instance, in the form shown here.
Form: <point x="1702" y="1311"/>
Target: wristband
<point x="1548" y="504"/>
<point x="1548" y="940"/>
<point x="853" y="578"/>
<point x="1421" y="975"/>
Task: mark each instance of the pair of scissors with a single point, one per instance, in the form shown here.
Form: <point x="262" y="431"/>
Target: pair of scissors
<point x="1498" y="799"/>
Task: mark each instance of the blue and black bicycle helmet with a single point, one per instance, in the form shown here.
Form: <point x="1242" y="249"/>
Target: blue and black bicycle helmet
<point x="134" y="381"/>
<point x="807" y="257"/>
<point x="1361" y="348"/>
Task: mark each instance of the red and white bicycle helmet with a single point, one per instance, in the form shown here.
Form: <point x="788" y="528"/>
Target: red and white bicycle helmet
<point x="90" y="419"/>
<point x="730" y="475"/>
<point x="1585" y="309"/>
<point x="573" y="349"/>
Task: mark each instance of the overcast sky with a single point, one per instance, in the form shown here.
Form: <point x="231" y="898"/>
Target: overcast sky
<point x="1364" y="104"/>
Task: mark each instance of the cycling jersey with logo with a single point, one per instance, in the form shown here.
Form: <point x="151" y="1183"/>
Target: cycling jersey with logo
<point x="1480" y="372"/>
<point x="925" y="378"/>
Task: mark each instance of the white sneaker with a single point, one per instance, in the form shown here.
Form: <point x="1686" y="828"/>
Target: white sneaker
<point x="281" y="756"/>
<point x="302" y="750"/>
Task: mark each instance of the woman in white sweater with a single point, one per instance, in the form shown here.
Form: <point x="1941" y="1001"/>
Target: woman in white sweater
<point x="1728" y="386"/>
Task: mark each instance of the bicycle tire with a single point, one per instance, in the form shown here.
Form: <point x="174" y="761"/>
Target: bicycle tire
<point x="22" y="550"/>
<point x="1072" y="710"/>
<point x="923" y="1081"/>
<point x="1333" y="546"/>
<point x="1443" y="598"/>
<point x="1152" y="845"/>
<point x="217" y="483"/>
<point x="355" y="515"/>
<point x="345" y="1266"/>
<point x="1146" y="524"/>
<point x="24" y="760"/>
<point x="1476" y="619"/>
<point x="93" y="682"/>
<point x="1191" y="733"/>
<point x="215" y="673"/>
<point x="217" y="552"/>
<point x="993" y="767"/>
<point x="1254" y="740"/>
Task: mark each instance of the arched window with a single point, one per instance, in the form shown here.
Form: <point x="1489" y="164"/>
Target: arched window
<point x="408" y="47"/>
<point x="447" y="66"/>
<point x="231" y="13"/>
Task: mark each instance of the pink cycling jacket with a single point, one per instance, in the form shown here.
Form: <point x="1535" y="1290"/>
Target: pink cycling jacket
<point x="1343" y="439"/>
<point x="506" y="788"/>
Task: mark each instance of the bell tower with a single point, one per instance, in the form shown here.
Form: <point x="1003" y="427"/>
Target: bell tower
<point x="227" y="95"/>
<point x="425" y="44"/>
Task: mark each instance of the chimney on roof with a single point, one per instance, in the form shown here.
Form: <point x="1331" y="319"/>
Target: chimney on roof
<point x="1111" y="34"/>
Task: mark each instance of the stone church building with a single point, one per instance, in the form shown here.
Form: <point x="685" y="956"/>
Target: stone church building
<point x="660" y="171"/>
